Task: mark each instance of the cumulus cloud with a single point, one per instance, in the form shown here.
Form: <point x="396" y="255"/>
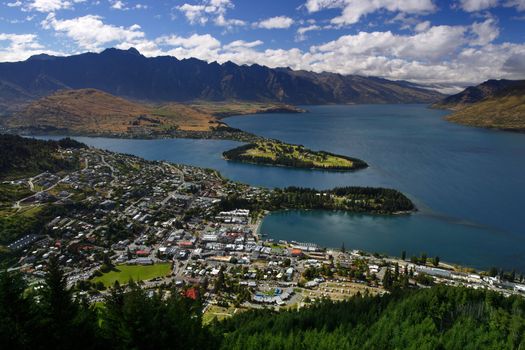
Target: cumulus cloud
<point x="301" y="31"/>
<point x="51" y="5"/>
<point x="354" y="10"/>
<point x="477" y="5"/>
<point x="518" y="4"/>
<point x="216" y="10"/>
<point x="17" y="3"/>
<point x="17" y="47"/>
<point x="485" y="32"/>
<point x="278" y="22"/>
<point x="91" y="33"/>
<point x="422" y="26"/>
<point x="480" y="5"/>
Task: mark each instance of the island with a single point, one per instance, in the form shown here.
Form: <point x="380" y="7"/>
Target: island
<point x="272" y="152"/>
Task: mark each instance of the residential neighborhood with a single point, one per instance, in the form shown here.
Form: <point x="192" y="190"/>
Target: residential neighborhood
<point x="164" y="226"/>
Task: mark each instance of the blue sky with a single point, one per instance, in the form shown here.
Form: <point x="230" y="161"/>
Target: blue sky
<point x="447" y="44"/>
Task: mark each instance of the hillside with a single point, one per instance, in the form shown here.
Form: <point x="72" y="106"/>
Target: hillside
<point x="94" y="111"/>
<point x="437" y="318"/>
<point x="493" y="104"/>
<point x="28" y="157"/>
<point x="91" y="111"/>
<point x="127" y="73"/>
<point x="485" y="90"/>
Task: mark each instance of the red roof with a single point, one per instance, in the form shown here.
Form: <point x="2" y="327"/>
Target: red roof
<point x="192" y="293"/>
<point x="142" y="252"/>
<point x="297" y="252"/>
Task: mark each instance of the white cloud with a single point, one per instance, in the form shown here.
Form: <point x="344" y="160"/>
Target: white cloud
<point x="485" y="32"/>
<point x="210" y="9"/>
<point x="241" y="44"/>
<point x="301" y="32"/>
<point x="118" y="5"/>
<point x="422" y="26"/>
<point x="477" y="5"/>
<point x="205" y="46"/>
<point x="17" y="3"/>
<point x="278" y="22"/>
<point x="91" y="33"/>
<point x="518" y="4"/>
<point x="354" y="10"/>
<point x="51" y="5"/>
<point x="17" y="47"/>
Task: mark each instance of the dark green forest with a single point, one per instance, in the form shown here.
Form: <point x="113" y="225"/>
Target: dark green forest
<point x="26" y="157"/>
<point x="440" y="317"/>
<point x="354" y="199"/>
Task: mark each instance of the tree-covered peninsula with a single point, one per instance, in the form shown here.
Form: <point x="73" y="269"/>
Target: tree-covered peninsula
<point x="271" y="152"/>
<point x="353" y="199"/>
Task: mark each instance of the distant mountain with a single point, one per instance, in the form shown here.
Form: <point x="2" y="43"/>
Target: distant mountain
<point x="493" y="104"/>
<point x="127" y="73"/>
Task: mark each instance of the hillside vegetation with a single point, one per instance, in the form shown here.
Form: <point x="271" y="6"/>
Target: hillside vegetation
<point x="436" y="318"/>
<point x="297" y="156"/>
<point x="493" y="104"/>
<point x="91" y="111"/>
<point x="24" y="157"/>
<point x="506" y="112"/>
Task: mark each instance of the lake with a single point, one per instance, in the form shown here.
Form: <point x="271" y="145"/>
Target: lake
<point x="468" y="183"/>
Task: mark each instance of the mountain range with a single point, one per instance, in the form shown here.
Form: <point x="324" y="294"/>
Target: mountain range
<point x="127" y="73"/>
<point x="496" y="104"/>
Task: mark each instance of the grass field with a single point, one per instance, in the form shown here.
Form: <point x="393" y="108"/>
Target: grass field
<point x="273" y="150"/>
<point x="279" y="153"/>
<point x="124" y="273"/>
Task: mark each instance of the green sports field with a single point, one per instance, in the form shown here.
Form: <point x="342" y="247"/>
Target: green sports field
<point x="123" y="273"/>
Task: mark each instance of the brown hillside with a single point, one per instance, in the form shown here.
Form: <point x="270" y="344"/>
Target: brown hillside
<point x="94" y="111"/>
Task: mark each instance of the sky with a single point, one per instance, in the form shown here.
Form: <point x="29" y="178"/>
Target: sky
<point x="444" y="44"/>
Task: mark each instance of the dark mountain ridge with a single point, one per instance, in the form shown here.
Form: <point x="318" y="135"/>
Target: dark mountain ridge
<point x="127" y="73"/>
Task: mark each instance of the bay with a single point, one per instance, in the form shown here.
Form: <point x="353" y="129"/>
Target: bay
<point x="468" y="183"/>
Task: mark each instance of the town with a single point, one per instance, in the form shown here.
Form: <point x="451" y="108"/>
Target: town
<point x="169" y="226"/>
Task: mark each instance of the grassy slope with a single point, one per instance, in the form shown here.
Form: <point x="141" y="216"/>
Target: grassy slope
<point x="507" y="112"/>
<point x="274" y="152"/>
<point x="225" y="109"/>
<point x="136" y="272"/>
<point x="94" y="111"/>
<point x="91" y="111"/>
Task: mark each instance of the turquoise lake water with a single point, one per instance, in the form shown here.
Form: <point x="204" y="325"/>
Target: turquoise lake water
<point x="468" y="183"/>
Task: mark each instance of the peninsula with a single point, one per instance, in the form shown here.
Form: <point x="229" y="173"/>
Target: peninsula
<point x="496" y="104"/>
<point x="282" y="154"/>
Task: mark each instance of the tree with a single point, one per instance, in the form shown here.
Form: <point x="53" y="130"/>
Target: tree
<point x="403" y="255"/>
<point x="219" y="282"/>
<point x="423" y="259"/>
<point x="343" y="250"/>
<point x="388" y="279"/>
<point x="15" y="313"/>
<point x="435" y="261"/>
